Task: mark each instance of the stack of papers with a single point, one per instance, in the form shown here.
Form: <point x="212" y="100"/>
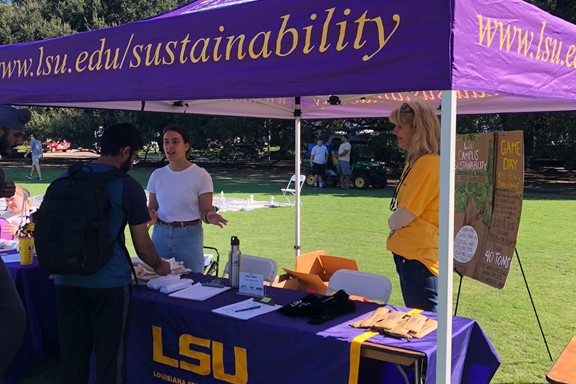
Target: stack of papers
<point x="8" y="247"/>
<point x="169" y="283"/>
<point x="246" y="309"/>
<point x="199" y="292"/>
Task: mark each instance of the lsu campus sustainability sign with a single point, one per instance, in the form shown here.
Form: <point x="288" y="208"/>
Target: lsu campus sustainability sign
<point x="488" y="204"/>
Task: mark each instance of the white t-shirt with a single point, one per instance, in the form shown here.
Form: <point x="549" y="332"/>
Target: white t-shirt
<point x="177" y="192"/>
<point x="14" y="218"/>
<point x="319" y="154"/>
<point x="343" y="147"/>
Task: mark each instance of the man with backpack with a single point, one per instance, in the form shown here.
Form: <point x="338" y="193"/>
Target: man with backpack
<point x="94" y="306"/>
<point x="12" y="314"/>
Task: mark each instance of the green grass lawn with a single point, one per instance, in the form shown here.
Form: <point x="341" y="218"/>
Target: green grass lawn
<point x="353" y="224"/>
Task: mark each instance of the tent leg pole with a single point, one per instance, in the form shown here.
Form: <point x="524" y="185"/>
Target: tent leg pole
<point x="446" y="237"/>
<point x="533" y="306"/>
<point x="297" y="126"/>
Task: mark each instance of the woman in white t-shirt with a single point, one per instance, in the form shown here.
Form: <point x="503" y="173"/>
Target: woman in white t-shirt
<point x="180" y="199"/>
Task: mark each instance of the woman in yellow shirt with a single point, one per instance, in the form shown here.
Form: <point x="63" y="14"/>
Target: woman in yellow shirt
<point x="413" y="238"/>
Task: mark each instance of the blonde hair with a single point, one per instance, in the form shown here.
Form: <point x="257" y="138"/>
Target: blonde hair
<point x="20" y="192"/>
<point x="425" y="129"/>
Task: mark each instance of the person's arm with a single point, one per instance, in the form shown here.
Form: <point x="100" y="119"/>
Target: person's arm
<point x="10" y="229"/>
<point x="146" y="251"/>
<point x="400" y="218"/>
<point x="152" y="208"/>
<point x="343" y="153"/>
<point x="207" y="214"/>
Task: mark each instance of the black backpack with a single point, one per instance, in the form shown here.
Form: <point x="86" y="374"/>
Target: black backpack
<point x="71" y="233"/>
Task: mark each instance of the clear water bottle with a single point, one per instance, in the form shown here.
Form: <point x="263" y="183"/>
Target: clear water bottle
<point x="234" y="262"/>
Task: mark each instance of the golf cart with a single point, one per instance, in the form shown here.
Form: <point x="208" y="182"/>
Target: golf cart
<point x="364" y="170"/>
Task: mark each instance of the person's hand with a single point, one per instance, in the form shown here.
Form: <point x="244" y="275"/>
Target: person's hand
<point x="216" y="219"/>
<point x="163" y="269"/>
<point x="153" y="217"/>
<point x="10" y="228"/>
<point x="7" y="189"/>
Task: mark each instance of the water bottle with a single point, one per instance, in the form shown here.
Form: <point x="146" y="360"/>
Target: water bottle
<point x="234" y="262"/>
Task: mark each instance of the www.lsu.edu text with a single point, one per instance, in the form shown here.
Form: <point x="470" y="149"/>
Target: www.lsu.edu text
<point x="285" y="41"/>
<point x="509" y="38"/>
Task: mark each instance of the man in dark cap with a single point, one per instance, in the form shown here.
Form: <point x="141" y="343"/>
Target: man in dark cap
<point x="12" y="315"/>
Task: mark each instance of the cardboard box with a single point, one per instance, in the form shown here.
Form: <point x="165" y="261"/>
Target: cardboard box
<point x="313" y="271"/>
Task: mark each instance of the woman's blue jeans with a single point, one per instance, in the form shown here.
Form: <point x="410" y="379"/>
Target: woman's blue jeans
<point x="419" y="286"/>
<point x="183" y="243"/>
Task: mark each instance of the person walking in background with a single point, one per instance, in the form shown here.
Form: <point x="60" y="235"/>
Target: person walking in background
<point x="413" y="238"/>
<point x="318" y="160"/>
<point x="12" y="314"/>
<point x="344" y="162"/>
<point x="180" y="198"/>
<point x="37" y="153"/>
<point x="94" y="310"/>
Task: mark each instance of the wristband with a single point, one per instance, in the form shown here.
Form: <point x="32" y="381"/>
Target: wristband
<point x="206" y="216"/>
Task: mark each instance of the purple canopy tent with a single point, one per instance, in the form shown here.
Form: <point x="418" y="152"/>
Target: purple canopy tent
<point x="212" y="56"/>
<point x="253" y="58"/>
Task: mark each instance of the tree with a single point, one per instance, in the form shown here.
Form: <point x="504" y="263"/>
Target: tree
<point x="546" y="135"/>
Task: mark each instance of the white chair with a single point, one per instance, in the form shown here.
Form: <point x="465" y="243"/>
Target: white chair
<point x="256" y="264"/>
<point x="364" y="284"/>
<point x="291" y="188"/>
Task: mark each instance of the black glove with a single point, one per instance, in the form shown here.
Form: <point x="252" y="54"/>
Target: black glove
<point x="301" y="307"/>
<point x="320" y="309"/>
<point x="336" y="309"/>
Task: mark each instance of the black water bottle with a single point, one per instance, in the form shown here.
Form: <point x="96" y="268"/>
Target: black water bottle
<point x="234" y="262"/>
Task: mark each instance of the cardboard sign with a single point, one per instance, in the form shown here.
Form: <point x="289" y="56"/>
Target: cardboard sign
<point x="488" y="204"/>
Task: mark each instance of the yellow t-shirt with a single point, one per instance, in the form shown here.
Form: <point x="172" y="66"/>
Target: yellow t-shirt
<point x="419" y="194"/>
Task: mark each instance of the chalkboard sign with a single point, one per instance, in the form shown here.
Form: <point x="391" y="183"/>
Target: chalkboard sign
<point x="488" y="204"/>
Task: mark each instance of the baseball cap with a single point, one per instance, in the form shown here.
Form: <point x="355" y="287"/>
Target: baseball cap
<point x="14" y="118"/>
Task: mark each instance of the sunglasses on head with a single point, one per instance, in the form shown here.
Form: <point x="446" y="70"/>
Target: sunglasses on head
<point x="406" y="108"/>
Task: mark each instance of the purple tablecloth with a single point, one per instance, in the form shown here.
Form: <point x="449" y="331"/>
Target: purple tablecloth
<point x="175" y="339"/>
<point x="37" y="293"/>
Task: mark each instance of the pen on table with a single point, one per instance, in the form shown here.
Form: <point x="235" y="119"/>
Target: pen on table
<point x="247" y="309"/>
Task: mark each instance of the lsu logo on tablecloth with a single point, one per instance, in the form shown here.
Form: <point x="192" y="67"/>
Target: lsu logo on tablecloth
<point x="206" y="363"/>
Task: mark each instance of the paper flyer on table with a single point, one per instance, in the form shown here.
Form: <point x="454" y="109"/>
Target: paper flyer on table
<point x="246" y="309"/>
<point x="11" y="257"/>
<point x="198" y="292"/>
<point x="251" y="284"/>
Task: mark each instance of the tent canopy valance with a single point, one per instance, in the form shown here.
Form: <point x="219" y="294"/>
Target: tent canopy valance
<point x="212" y="56"/>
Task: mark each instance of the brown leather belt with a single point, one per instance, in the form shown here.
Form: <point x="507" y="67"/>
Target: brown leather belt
<point x="179" y="223"/>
